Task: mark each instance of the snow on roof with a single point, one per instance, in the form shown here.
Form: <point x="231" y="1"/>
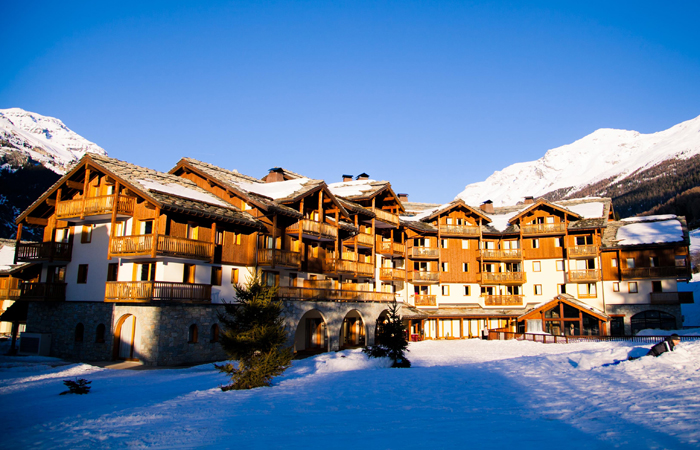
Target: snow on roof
<point x="500" y="221"/>
<point x="183" y="191"/>
<point x="7" y="257"/>
<point x="592" y="210"/>
<point x="276" y="190"/>
<point x="649" y="218"/>
<point x="424" y="213"/>
<point x="351" y="188"/>
<point x="650" y="232"/>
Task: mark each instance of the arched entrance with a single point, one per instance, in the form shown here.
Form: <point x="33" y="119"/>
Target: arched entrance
<point x="652" y="319"/>
<point x="353" y="331"/>
<point x="312" y="333"/>
<point x="124" y="338"/>
<point x="381" y="320"/>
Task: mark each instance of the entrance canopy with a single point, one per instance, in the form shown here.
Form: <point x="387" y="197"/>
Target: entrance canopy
<point x="564" y="315"/>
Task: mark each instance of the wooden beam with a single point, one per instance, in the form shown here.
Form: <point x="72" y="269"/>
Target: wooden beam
<point x="85" y="191"/>
<point x="74" y="185"/>
<point x="50" y="202"/>
<point x="36" y="221"/>
<point x="155" y="232"/>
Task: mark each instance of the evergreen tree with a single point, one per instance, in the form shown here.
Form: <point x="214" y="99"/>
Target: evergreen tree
<point x="253" y="333"/>
<point x="391" y="339"/>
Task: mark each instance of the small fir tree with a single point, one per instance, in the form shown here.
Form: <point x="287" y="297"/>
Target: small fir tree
<point x="391" y="339"/>
<point x="253" y="333"/>
<point x="80" y="386"/>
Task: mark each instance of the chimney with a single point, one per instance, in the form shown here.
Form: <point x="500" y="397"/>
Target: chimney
<point x="403" y="197"/>
<point x="529" y="200"/>
<point x="347" y="178"/>
<point x="274" y="175"/>
<point x="363" y="176"/>
<point x="487" y="207"/>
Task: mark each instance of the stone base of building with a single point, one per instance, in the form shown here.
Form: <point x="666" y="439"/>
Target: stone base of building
<point x="630" y="310"/>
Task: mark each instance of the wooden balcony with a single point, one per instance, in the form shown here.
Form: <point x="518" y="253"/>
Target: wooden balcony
<point x="365" y="270"/>
<point x="165" y="246"/>
<point x="386" y="216"/>
<point x="544" y="228"/>
<point x="147" y="291"/>
<point x="391" y="274"/>
<point x="363" y="240"/>
<point x="419" y="277"/>
<point x="664" y="298"/>
<point x="338" y="295"/>
<point x="655" y="272"/>
<point x="346" y="266"/>
<point x="459" y="230"/>
<point x="94" y="206"/>
<point x="503" y="300"/>
<point x="317" y="230"/>
<point x="582" y="251"/>
<point x="10" y="294"/>
<point x="501" y="255"/>
<point x="390" y="248"/>
<point x="44" y="251"/>
<point x="503" y="277"/>
<point x="276" y="257"/>
<point x="50" y="292"/>
<point x="425" y="253"/>
<point x="583" y="276"/>
<point x="425" y="300"/>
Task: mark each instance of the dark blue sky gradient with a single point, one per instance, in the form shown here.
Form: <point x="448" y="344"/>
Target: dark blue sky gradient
<point x="429" y="95"/>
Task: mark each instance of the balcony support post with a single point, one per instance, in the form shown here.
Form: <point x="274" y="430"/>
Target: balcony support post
<point x="154" y="244"/>
<point x="113" y="222"/>
<point x="213" y="241"/>
<point x="85" y="191"/>
<point x="274" y="240"/>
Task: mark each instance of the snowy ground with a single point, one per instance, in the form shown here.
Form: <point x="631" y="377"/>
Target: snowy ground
<point x="691" y="312"/>
<point x="476" y="394"/>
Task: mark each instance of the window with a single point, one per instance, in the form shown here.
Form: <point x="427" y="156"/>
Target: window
<point x="443" y="243"/>
<point x="292" y="280"/>
<point x="652" y="319"/>
<point x="147" y="227"/>
<point x="587" y="290"/>
<point x="630" y="263"/>
<point x="56" y="274"/>
<point x="270" y="278"/>
<point x="654" y="261"/>
<point x="112" y="272"/>
<point x="467" y="290"/>
<point x="188" y="273"/>
<point x="148" y="271"/>
<point x="62" y="235"/>
<point x="192" y="231"/>
<point x="216" y="276"/>
<point x="632" y="287"/>
<point x="465" y="267"/>
<point x="444" y="267"/>
<point x="82" y="273"/>
<point x="538" y="289"/>
<point x="219" y="237"/>
<point x="536" y="266"/>
<point x="560" y="266"/>
<point x="79" y="332"/>
<point x="613" y="262"/>
<point x="465" y="244"/>
<point x="445" y="290"/>
<point x="561" y="288"/>
<point x="86" y="235"/>
<point x="680" y="261"/>
<point x="535" y="243"/>
<point x="214" y="333"/>
<point x="558" y="242"/>
<point x="656" y="286"/>
<point x="616" y="287"/>
<point x="234" y="276"/>
<point x="192" y="334"/>
<point x="100" y="333"/>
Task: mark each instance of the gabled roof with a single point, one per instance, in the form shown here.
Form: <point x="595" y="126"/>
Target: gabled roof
<point x="571" y="301"/>
<point x="287" y="174"/>
<point x="416" y="225"/>
<point x="359" y="190"/>
<point x="538" y="204"/>
<point x="356" y="208"/>
<point x="452" y="205"/>
<point x="646" y="231"/>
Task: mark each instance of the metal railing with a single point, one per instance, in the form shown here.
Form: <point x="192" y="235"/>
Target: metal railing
<point x="93" y="206"/>
<point x="503" y="300"/>
<point x="43" y="291"/>
<point x="145" y="291"/>
<point x="461" y="230"/>
<point x="345" y="295"/>
<point x="544" y="228"/>
<point x="44" y="251"/>
<point x="269" y="256"/>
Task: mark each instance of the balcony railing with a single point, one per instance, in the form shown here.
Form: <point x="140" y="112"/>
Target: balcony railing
<point x="363" y="239"/>
<point x="390" y="248"/>
<point x="425" y="252"/>
<point x="503" y="277"/>
<point x="584" y="276"/>
<point x="270" y="256"/>
<point x="391" y="274"/>
<point x="365" y="269"/>
<point x="425" y="300"/>
<point x="346" y="266"/>
<point x="44" y="251"/>
<point x="43" y="291"/>
<point x="93" y="206"/>
<point x="334" y="295"/>
<point x="425" y="277"/>
<point x="165" y="246"/>
<point x="582" y="251"/>
<point x="655" y="272"/>
<point x="310" y="227"/>
<point x="146" y="291"/>
<point x="500" y="255"/>
<point x="503" y="300"/>
<point x="664" y="298"/>
<point x="459" y="230"/>
<point x="545" y="228"/>
<point x="10" y="294"/>
<point x="386" y="216"/>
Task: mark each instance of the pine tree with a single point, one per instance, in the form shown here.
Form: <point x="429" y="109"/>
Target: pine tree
<point x="253" y="333"/>
<point x="391" y="339"/>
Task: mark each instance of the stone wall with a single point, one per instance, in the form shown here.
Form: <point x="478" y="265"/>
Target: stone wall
<point x="630" y="310"/>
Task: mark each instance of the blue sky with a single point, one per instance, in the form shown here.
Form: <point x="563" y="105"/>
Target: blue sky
<point x="429" y="95"/>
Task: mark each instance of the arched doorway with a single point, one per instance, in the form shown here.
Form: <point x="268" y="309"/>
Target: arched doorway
<point x="124" y="338"/>
<point x="652" y="319"/>
<point x="312" y="333"/>
<point x="381" y="320"/>
<point x="352" y="331"/>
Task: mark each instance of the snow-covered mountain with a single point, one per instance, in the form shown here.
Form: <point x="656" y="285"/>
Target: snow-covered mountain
<point x="607" y="155"/>
<point x="43" y="139"/>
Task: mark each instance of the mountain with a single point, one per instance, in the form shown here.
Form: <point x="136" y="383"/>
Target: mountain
<point x="639" y="171"/>
<point x="35" y="151"/>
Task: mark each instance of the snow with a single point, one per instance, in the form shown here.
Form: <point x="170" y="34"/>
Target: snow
<point x="351" y="188"/>
<point x="605" y="153"/>
<point x="658" y="332"/>
<point x="650" y="232"/>
<point x="592" y="210"/>
<point x="650" y="218"/>
<point x="184" y="192"/>
<point x="423" y="213"/>
<point x="276" y="190"/>
<point x="500" y="221"/>
<point x="487" y="394"/>
<point x="691" y="312"/>
<point x="7" y="257"/>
